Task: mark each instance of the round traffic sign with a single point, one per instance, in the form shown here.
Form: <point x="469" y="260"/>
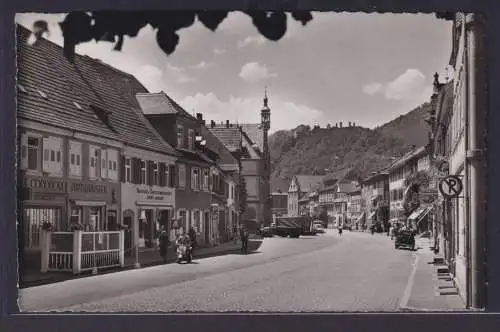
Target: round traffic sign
<point x="451" y="186"/>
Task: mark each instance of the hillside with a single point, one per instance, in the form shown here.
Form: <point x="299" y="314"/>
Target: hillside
<point x="326" y="150"/>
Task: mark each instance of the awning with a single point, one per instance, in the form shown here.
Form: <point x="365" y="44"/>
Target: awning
<point x="425" y="213"/>
<point x="154" y="204"/>
<point x="418" y="213"/>
<point x="360" y="217"/>
<point x="90" y="203"/>
<point x="372" y="215"/>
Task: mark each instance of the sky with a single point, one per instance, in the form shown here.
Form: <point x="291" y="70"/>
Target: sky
<point x="363" y="68"/>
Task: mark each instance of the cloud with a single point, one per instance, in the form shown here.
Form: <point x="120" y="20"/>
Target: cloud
<point x="219" y="51"/>
<point x="372" y="88"/>
<point x="259" y="40"/>
<point x="408" y="85"/>
<point x="178" y="74"/>
<point x="202" y="65"/>
<point x="254" y="72"/>
<point x="284" y="114"/>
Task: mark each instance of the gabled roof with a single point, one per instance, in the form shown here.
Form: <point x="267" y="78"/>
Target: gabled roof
<point x="415" y="153"/>
<point x="90" y="83"/>
<point x="43" y="67"/>
<point x="255" y="133"/>
<point x="308" y="183"/>
<point x="231" y="137"/>
<point x="213" y="143"/>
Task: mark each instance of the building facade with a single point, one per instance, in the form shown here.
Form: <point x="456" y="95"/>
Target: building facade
<point x="458" y="141"/>
<point x="375" y="197"/>
<point x="300" y="187"/>
<point x="280" y="204"/>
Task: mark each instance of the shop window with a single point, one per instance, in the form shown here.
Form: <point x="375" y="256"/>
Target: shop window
<point x="95" y="222"/>
<point x="33" y="220"/>
<point x="76" y="215"/>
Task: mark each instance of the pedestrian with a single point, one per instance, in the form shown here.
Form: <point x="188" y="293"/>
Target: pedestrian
<point x="192" y="237"/>
<point x="244" y="239"/>
<point x="164" y="243"/>
<point x="340" y="230"/>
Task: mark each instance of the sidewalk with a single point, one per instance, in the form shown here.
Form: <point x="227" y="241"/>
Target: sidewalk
<point x="428" y="289"/>
<point x="147" y="257"/>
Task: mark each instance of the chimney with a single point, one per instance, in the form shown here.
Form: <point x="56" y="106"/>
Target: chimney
<point x="227" y="123"/>
<point x="212" y="123"/>
<point x="199" y="116"/>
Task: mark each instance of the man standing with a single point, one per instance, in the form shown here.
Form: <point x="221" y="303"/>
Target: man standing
<point x="244" y="239"/>
<point x="164" y="243"/>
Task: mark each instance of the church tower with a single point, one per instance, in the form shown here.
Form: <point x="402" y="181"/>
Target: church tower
<point x="265" y="121"/>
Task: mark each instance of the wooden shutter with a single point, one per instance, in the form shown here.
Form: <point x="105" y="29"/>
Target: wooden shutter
<point x="24" y="151"/>
<point x="161" y="174"/>
<point x="171" y="176"/>
<point x="150" y="172"/>
<point x="46" y="163"/>
<point x="135" y="170"/>
<point x="122" y="168"/>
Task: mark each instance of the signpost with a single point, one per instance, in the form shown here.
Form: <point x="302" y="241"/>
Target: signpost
<point x="451" y="186"/>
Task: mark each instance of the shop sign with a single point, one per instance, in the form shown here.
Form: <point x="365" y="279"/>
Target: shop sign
<point x="93" y="188"/>
<point x="49" y="185"/>
<point x="154" y="195"/>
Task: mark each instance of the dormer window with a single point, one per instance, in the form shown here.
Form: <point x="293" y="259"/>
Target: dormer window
<point x="102" y="115"/>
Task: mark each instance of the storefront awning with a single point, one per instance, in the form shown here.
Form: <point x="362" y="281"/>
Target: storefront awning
<point x="372" y="215"/>
<point x="360" y="217"/>
<point x="90" y="203"/>
<point x="167" y="206"/>
<point x="418" y="214"/>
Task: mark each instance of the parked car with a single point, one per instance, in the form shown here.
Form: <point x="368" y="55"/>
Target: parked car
<point x="405" y="238"/>
<point x="266" y="232"/>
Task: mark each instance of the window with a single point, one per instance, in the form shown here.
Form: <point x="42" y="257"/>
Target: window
<point x="183" y="219"/>
<point x="112" y="164"/>
<point x="191" y="139"/>
<point x="75" y="150"/>
<point x="94" y="162"/>
<point x="33" y="151"/>
<point x="156" y="180"/>
<point x="104" y="168"/>
<point x="143" y="172"/>
<point x="196" y="223"/>
<point x="128" y="172"/>
<point x="195" y="178"/>
<point x="182" y="176"/>
<point x="167" y="175"/>
<point x="205" y="179"/>
<point x="180" y="136"/>
<point x="52" y="155"/>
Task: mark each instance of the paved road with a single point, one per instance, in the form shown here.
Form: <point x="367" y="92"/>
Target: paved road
<point x="355" y="272"/>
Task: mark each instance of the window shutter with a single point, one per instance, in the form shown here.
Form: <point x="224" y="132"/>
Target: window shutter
<point x="46" y="145"/>
<point x="122" y="168"/>
<point x="149" y="170"/>
<point x="135" y="165"/>
<point x="161" y="174"/>
<point x="176" y="177"/>
<point x="171" y="175"/>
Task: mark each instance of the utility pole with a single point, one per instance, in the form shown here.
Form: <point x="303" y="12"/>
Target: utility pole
<point x="476" y="157"/>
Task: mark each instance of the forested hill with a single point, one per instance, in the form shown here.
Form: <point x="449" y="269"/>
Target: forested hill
<point x="306" y="150"/>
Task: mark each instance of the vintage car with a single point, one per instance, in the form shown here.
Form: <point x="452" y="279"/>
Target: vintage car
<point x="405" y="239"/>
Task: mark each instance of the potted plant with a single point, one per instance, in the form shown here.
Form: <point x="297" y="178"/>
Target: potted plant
<point x="76" y="227"/>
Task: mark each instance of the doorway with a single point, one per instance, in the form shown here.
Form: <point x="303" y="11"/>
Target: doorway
<point x="127" y="221"/>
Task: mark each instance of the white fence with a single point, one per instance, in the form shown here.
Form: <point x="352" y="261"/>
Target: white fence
<point x="81" y="251"/>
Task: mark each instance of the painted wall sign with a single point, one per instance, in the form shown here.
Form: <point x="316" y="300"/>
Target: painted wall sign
<point x="451" y="186"/>
<point x="96" y="188"/>
<point x="155" y="195"/>
<point x="49" y="185"/>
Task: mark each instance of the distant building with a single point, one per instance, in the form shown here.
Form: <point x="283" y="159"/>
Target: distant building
<point x="300" y="186"/>
<point x="375" y="199"/>
<point x="280" y="204"/>
<point x="334" y="198"/>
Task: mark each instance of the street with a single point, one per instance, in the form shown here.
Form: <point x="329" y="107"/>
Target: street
<point x="353" y="272"/>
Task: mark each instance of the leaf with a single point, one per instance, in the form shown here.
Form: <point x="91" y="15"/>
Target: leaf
<point x="212" y="19"/>
<point x="272" y="25"/>
<point x="303" y="17"/>
<point x="167" y="40"/>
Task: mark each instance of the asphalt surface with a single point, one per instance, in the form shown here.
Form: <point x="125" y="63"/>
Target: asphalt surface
<point x="353" y="272"/>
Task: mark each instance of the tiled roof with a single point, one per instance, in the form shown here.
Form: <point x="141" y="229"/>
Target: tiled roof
<point x="231" y="137"/>
<point x="415" y="153"/>
<point x="160" y="103"/>
<point x="347" y="187"/>
<point x="214" y="144"/>
<point x="255" y="133"/>
<point x="89" y="82"/>
<point x="338" y="175"/>
<point x="308" y="182"/>
<point x="43" y="67"/>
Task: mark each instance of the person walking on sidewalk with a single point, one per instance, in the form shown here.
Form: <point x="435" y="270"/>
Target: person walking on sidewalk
<point x="192" y="237"/>
<point x="244" y="239"/>
<point x="164" y="243"/>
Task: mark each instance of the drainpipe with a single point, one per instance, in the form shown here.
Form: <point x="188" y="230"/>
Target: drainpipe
<point x="475" y="157"/>
<point x="466" y="179"/>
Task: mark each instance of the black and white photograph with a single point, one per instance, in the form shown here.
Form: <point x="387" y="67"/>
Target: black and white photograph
<point x="251" y="161"/>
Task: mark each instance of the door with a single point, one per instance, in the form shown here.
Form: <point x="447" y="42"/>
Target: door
<point x="206" y="227"/>
<point x="127" y="221"/>
<point x="148" y="231"/>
